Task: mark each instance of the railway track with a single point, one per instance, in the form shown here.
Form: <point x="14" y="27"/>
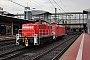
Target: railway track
<point x="7" y="42"/>
<point x="7" y="48"/>
<point x="32" y="53"/>
<point x="41" y="51"/>
<point x="9" y="52"/>
<point x="55" y="52"/>
<point x="30" y="50"/>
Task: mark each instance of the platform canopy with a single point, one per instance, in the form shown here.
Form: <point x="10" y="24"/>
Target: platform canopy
<point x="86" y="11"/>
<point x="6" y="19"/>
<point x="39" y="12"/>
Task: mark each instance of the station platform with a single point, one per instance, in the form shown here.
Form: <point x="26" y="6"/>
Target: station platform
<point x="79" y="50"/>
<point x="7" y="37"/>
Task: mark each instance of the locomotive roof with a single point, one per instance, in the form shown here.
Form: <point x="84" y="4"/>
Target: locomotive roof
<point x="39" y="12"/>
<point x="41" y="20"/>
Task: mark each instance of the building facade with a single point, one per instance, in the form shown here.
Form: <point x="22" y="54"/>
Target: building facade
<point x="61" y="18"/>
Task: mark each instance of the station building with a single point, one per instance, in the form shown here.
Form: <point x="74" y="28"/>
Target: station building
<point x="72" y="20"/>
<point x="61" y="18"/>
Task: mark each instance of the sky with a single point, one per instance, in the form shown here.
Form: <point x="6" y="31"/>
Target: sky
<point x="64" y="5"/>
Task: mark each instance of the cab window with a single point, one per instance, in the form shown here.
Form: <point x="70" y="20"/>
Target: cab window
<point x="52" y="27"/>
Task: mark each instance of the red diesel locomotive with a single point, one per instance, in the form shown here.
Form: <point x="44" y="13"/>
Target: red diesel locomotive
<point x="38" y="32"/>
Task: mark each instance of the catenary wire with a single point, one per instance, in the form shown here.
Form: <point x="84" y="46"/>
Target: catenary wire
<point x="52" y="3"/>
<point x="63" y="5"/>
<point x="41" y="5"/>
